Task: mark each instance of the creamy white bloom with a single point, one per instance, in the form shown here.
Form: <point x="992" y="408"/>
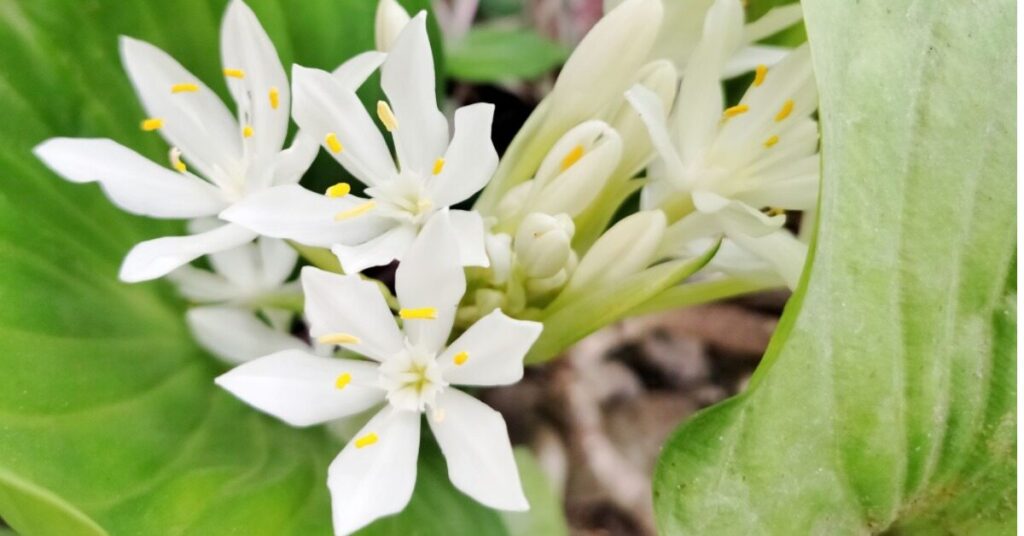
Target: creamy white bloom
<point x="411" y="370"/>
<point x="236" y="157"/>
<point x="432" y="172"/>
<point x="626" y="248"/>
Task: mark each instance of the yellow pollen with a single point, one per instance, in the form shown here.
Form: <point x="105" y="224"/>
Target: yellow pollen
<point x="736" y="110"/>
<point x="774" y="211"/>
<point x="423" y="313"/>
<point x="759" y="74"/>
<point x="331" y="139"/>
<point x="234" y="73"/>
<point x="771" y="141"/>
<point x="387" y="116"/>
<point x="247" y="131"/>
<point x="572" y="157"/>
<point x="176" y="162"/>
<point x="461" y="358"/>
<point x="357" y="210"/>
<point x="339" y="190"/>
<point x="787" y="108"/>
<point x="151" y="124"/>
<point x="338" y="338"/>
<point x="366" y="440"/>
<point x="275" y="98"/>
<point x="343" y="380"/>
<point x="185" y="88"/>
<point x="438" y="166"/>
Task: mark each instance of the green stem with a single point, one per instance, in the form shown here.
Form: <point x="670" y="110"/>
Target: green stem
<point x="322" y="258"/>
<point x="691" y="294"/>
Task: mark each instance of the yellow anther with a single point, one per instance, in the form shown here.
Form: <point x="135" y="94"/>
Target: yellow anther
<point x="771" y="141"/>
<point x="338" y="338"/>
<point x="176" y="162"/>
<point x="234" y="73"/>
<point x="185" y="88"/>
<point x="736" y="110"/>
<point x="438" y="166"/>
<point x="343" y="380"/>
<point x="787" y="108"/>
<point x="151" y="124"/>
<point x="461" y="358"/>
<point x="247" y="131"/>
<point x="339" y="190"/>
<point x="423" y="313"/>
<point x="775" y="211"/>
<point x="366" y="440"/>
<point x="759" y="74"/>
<point x="572" y="157"/>
<point x="275" y="98"/>
<point x="331" y="139"/>
<point x="357" y="210"/>
<point x="387" y="116"/>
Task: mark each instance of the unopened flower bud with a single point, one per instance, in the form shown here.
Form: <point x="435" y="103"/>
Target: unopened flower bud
<point x="543" y="244"/>
<point x="576" y="169"/>
<point x="628" y="247"/>
<point x="499" y="252"/>
<point x="390" y="21"/>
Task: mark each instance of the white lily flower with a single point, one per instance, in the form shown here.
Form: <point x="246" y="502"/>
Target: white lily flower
<point x="236" y="157"/>
<point x="411" y="370"/>
<point x="432" y="174"/>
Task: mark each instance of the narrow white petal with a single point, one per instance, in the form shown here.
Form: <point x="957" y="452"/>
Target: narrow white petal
<point x="291" y="163"/>
<point x="240" y="265"/>
<point x="471" y="158"/>
<point x="407" y="78"/>
<point x="736" y="218"/>
<point x="347" y="304"/>
<point x="236" y="335"/>
<point x="392" y="243"/>
<point x="652" y="113"/>
<point x="748" y="58"/>
<point x="277" y="261"/>
<point x="377" y="479"/>
<point x="155" y="258"/>
<point x="494" y="350"/>
<point x="774" y="21"/>
<point x="354" y="72"/>
<point x="203" y="286"/>
<point x="131" y="181"/>
<point x="302" y="389"/>
<point x="469" y="229"/>
<point x="476" y="447"/>
<point x="781" y="249"/>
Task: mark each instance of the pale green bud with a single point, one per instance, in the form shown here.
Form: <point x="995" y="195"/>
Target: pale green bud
<point x="390" y="20"/>
<point x="576" y="169"/>
<point x="628" y="247"/>
<point x="543" y="244"/>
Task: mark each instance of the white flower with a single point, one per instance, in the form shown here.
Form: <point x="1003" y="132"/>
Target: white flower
<point x="727" y="164"/>
<point x="389" y="21"/>
<point x="411" y="373"/>
<point x="432" y="173"/>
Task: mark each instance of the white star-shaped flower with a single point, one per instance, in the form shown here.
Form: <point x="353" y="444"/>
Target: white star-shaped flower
<point x="432" y="172"/>
<point x="411" y="370"/>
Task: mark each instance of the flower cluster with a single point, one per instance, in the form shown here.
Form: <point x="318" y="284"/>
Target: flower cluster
<point x="548" y="252"/>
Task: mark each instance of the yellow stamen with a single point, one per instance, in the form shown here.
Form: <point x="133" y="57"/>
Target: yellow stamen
<point x="366" y="440"/>
<point x="338" y="338"/>
<point x="438" y="166"/>
<point x="185" y="88"/>
<point x="771" y="141"/>
<point x="339" y="190"/>
<point x="736" y="110"/>
<point x="343" y="380"/>
<point x="357" y="210"/>
<point x="759" y="74"/>
<point x="787" y="108"/>
<point x="775" y="211"/>
<point x="151" y="124"/>
<point x="387" y="116"/>
<point x="572" y="157"/>
<point x="461" y="358"/>
<point x="234" y="73"/>
<point x="331" y="139"/>
<point x="423" y="313"/>
<point x="247" y="131"/>
<point x="176" y="162"/>
<point x="275" y="98"/>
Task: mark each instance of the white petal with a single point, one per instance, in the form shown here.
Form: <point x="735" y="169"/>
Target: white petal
<point x="155" y="258"/>
<point x="471" y="158"/>
<point x="246" y="46"/>
<point x="277" y="261"/>
<point x="389" y="245"/>
<point x="291" y="163"/>
<point x="294" y="213"/>
<point x="375" y="480"/>
<point x="781" y="249"/>
<point x="748" y="58"/>
<point x="131" y="181"/>
<point x="431" y="275"/>
<point x="476" y="447"/>
<point x="496" y="346"/>
<point x="322" y="106"/>
<point x="389" y="21"/>
<point x="469" y="229"/>
<point x="239" y="264"/>
<point x="196" y="122"/>
<point x="407" y="77"/>
<point x="203" y="286"/>
<point x="736" y="218"/>
<point x="652" y="113"/>
<point x="236" y="335"/>
<point x="350" y="305"/>
<point x="774" y="21"/>
<point x="300" y="388"/>
<point x="354" y="72"/>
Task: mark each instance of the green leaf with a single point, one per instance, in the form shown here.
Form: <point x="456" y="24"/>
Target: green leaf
<point x="497" y="54"/>
<point x="109" y="419"/>
<point x="545" y="515"/>
<point x="885" y="403"/>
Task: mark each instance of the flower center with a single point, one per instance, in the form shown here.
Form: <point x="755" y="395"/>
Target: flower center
<point x="404" y="199"/>
<point x="412" y="379"/>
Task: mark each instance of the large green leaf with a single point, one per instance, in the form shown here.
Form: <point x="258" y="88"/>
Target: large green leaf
<point x="109" y="420"/>
<point x="885" y="403"/>
<point x="498" y="54"/>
